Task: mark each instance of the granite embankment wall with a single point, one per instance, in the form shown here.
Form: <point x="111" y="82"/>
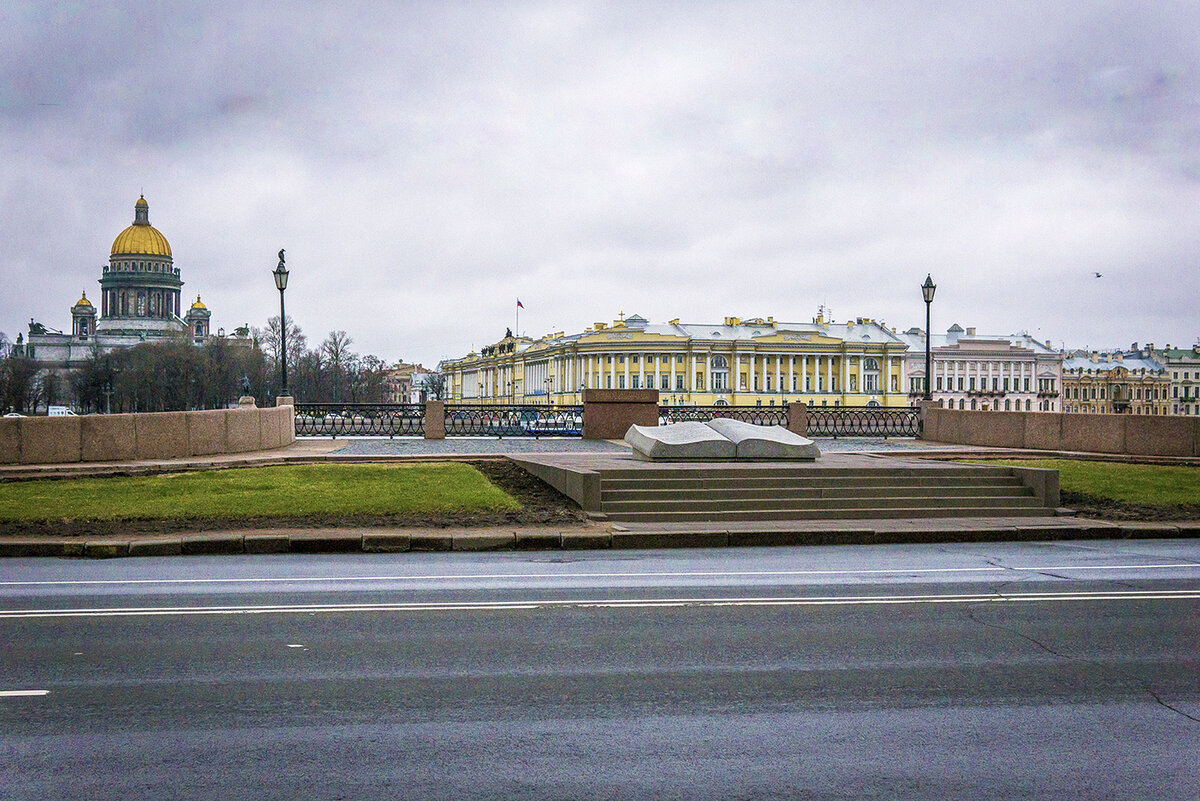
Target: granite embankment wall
<point x="158" y="435"/>
<point x="1136" y="435"/>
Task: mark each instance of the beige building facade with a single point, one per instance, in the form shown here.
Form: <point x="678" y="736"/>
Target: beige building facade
<point x="1115" y="383"/>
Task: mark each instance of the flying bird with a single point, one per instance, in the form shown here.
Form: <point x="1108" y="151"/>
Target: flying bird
<point x="1098" y="275"/>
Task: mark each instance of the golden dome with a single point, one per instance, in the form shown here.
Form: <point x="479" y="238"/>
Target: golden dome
<point x="198" y="304"/>
<point x="141" y="238"/>
<point x="83" y="301"/>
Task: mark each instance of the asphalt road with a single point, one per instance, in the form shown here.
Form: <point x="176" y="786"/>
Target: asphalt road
<point x="1063" y="670"/>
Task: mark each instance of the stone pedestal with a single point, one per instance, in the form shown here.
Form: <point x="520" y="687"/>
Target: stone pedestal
<point x="285" y="400"/>
<point x="435" y="419"/>
<point x="247" y="402"/>
<point x="608" y="413"/>
<point x="797" y="418"/>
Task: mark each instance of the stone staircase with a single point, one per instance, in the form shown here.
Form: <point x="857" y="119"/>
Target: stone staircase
<point x="686" y="495"/>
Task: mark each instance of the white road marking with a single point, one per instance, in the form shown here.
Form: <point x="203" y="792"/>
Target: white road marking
<point x="22" y="693"/>
<point x="891" y="571"/>
<point x="620" y="603"/>
<point x="295" y="645"/>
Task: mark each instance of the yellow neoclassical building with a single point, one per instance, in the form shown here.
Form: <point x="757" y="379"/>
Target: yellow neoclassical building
<point x="739" y="362"/>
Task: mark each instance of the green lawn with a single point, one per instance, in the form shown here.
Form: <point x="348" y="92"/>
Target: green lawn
<point x="1139" y="484"/>
<point x="290" y="491"/>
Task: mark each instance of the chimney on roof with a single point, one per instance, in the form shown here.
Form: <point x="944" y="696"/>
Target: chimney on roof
<point x="971" y="331"/>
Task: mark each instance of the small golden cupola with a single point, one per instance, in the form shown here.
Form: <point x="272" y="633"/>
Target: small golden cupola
<point x="83" y="319"/>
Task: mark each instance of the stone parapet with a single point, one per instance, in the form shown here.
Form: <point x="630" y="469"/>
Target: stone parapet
<point x="148" y="436"/>
<point x="1134" y="435"/>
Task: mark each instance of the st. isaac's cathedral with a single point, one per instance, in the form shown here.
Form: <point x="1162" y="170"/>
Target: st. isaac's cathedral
<point x="140" y="300"/>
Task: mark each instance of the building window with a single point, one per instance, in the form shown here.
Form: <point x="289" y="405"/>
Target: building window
<point x="679" y="382"/>
<point x="633" y="381"/>
<point x="664" y="382"/>
<point x="620" y="382"/>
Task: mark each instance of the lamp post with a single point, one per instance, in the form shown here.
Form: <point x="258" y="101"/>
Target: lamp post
<point x="927" y="290"/>
<point x="281" y="277"/>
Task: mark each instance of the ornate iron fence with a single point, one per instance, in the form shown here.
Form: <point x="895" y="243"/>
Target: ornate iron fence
<point x="513" y="420"/>
<point x="360" y="420"/>
<point x="862" y="421"/>
<point x="758" y="415"/>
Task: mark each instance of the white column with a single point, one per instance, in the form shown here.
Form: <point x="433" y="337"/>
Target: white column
<point x="804" y="372"/>
<point x="829" y="374"/>
<point x="737" y="372"/>
<point x="673" y="357"/>
<point x="641" y="371"/>
<point x="778" y="372"/>
<point x="791" y="372"/>
<point x="887" y="374"/>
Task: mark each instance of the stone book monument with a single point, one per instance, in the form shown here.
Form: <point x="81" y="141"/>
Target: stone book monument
<point x="721" y="439"/>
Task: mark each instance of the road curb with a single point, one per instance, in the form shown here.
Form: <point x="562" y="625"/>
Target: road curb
<point x="388" y="541"/>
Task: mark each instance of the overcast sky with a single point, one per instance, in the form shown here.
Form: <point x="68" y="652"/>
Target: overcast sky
<point x="426" y="164"/>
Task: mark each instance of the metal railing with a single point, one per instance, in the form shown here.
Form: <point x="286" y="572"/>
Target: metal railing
<point x="862" y="421"/>
<point x="360" y="420"/>
<point x="758" y="415"/>
<point x="513" y="420"/>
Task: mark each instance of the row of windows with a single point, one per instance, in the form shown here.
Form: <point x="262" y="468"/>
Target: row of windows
<point x="1098" y="393"/>
<point x="972" y="384"/>
<point x="958" y="366"/>
<point x="1100" y="409"/>
<point x="1010" y="405"/>
<point x="143" y="266"/>
<point x="719" y="362"/>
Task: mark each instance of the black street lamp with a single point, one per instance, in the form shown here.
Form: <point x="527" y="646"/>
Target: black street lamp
<point x="927" y="290"/>
<point x="281" y="276"/>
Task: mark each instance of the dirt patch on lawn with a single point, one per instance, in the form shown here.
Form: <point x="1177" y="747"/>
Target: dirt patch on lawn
<point x="541" y="505"/>
<point x="1094" y="506"/>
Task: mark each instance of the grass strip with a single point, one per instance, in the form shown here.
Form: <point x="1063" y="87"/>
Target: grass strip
<point x="1135" y="484"/>
<point x="437" y="488"/>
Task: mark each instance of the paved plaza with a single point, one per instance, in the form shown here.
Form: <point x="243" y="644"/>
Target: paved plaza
<point x="464" y="446"/>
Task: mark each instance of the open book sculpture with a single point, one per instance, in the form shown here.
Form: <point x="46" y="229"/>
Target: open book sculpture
<point x="721" y="438"/>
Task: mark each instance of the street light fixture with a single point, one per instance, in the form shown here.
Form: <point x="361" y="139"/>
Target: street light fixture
<point x="927" y="290"/>
<point x="281" y="278"/>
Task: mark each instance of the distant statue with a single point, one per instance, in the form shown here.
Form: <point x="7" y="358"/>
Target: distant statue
<point x="508" y="333"/>
<point x="245" y="385"/>
<point x="281" y="257"/>
<point x="36" y="328"/>
<point x="242" y="331"/>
